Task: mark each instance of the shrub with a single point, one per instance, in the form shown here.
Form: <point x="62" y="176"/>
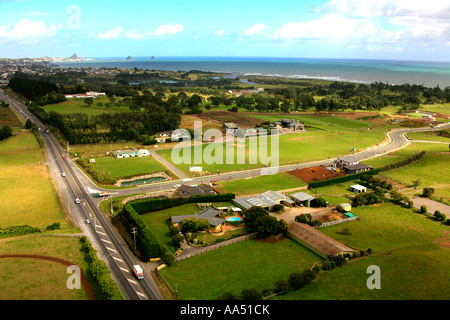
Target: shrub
<point x="428" y="192"/>
<point x="228" y="296"/>
<point x="55" y="226"/>
<point x="282" y="287"/>
<point x="15" y="231"/>
<point x="308" y="276"/>
<point x="251" y="294"/>
<point x="303" y="218"/>
<point x="277" y="208"/>
<point x="296" y="281"/>
<point x="439" y="216"/>
<point x="423" y="209"/>
<point x="326" y="265"/>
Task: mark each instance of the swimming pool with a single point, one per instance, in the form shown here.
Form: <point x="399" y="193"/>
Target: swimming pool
<point x="234" y="219"/>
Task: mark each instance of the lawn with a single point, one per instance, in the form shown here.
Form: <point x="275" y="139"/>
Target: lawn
<point x="158" y="224"/>
<point x="239" y="266"/>
<point x="128" y="167"/>
<point x="292" y="148"/>
<point x="276" y="182"/>
<point x="413" y="264"/>
<point x="28" y="279"/>
<point x="19" y="150"/>
<point x="428" y="136"/>
<point x="78" y="106"/>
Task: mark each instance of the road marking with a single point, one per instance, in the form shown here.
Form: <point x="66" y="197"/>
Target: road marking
<point x="125" y="270"/>
<point x="141" y="294"/>
<point x="110" y="249"/>
<point x="117" y="259"/>
<point x="132" y="281"/>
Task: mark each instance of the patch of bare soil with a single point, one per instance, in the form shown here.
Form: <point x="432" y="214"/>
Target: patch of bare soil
<point x="273" y="239"/>
<point x="227" y="116"/>
<point x="315" y="174"/>
<point x="444" y="241"/>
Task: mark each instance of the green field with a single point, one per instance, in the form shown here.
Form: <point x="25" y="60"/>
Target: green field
<point x="276" y="182"/>
<point x="28" y="279"/>
<point x="431" y="169"/>
<point x="26" y="193"/>
<point x="427" y="136"/>
<point x="243" y="265"/>
<point x="78" y="106"/>
<point x="292" y="148"/>
<point x="412" y="262"/>
<point x="128" y="167"/>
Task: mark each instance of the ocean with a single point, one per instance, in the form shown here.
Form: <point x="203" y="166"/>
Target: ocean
<point x="429" y="74"/>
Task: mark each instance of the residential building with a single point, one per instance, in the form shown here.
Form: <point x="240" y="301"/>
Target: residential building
<point x="187" y="191"/>
<point x="207" y="214"/>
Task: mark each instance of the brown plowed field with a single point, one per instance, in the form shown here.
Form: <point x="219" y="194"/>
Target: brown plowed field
<point x="315" y="174"/>
<point x="227" y="116"/>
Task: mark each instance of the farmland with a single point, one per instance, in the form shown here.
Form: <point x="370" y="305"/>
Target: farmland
<point x="128" y="167"/>
<point x="406" y="246"/>
<point x="232" y="268"/>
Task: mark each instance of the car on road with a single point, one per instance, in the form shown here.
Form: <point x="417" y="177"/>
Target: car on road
<point x="64" y="157"/>
<point x="77" y="201"/>
<point x="63" y="174"/>
<point x="88" y="221"/>
<point x="177" y="186"/>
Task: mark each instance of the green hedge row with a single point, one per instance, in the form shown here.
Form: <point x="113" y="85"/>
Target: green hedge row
<point x="157" y="204"/>
<point x="146" y="242"/>
<point x="98" y="173"/>
<point x="350" y="177"/>
<point x="100" y="273"/>
<point x="15" y="231"/>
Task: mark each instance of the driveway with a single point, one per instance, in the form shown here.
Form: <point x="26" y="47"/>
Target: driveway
<point x="432" y="206"/>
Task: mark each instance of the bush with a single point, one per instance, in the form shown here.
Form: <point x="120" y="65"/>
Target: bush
<point x="55" y="226"/>
<point x="15" y="231"/>
<point x="303" y="218"/>
<point x="282" y="287"/>
<point x="296" y="281"/>
<point x="277" y="208"/>
<point x="228" y="296"/>
<point x="251" y="294"/>
<point x="439" y="216"/>
<point x="423" y="209"/>
<point x="327" y="266"/>
<point x="427" y="192"/>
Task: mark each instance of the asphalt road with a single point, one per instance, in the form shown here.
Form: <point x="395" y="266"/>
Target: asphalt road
<point x="103" y="236"/>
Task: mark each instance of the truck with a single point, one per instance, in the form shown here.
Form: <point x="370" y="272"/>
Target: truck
<point x="138" y="271"/>
<point x="101" y="194"/>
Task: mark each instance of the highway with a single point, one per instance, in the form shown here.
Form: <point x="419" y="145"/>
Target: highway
<point x="102" y="234"/>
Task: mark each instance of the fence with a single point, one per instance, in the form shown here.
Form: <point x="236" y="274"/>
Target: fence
<point x="217" y="246"/>
<point x="281" y="191"/>
<point x="326" y="224"/>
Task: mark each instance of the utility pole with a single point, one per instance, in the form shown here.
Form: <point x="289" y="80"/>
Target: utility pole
<point x="134" y="231"/>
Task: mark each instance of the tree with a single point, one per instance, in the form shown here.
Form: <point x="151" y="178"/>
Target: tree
<point x="428" y="192"/>
<point x="89" y="101"/>
<point x="282" y="287"/>
<point x="266" y="226"/>
<point x="5" y="132"/>
<point x="416" y="183"/>
<point x="28" y="124"/>
<point x="423" y="209"/>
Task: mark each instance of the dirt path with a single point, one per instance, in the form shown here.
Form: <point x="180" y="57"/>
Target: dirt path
<point x="432" y="206"/>
<point x="84" y="281"/>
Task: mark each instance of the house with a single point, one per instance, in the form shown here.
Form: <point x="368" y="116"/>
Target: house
<point x="230" y="127"/>
<point x="356" y="168"/>
<point x="180" y="135"/>
<point x="207" y="214"/>
<point x="288" y="124"/>
<point x="120" y="154"/>
<point x="358" y="188"/>
<point x="345" y="161"/>
<point x="187" y="191"/>
<point x="302" y="198"/>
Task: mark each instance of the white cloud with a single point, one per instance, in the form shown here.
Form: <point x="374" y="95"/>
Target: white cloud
<point x="160" y="31"/>
<point x="257" y="28"/>
<point x="112" y="34"/>
<point x="28" y="31"/>
<point x="220" y="33"/>
<point x="168" y="29"/>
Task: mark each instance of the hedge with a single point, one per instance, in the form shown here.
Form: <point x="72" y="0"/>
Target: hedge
<point x="156" y="204"/>
<point x="15" y="231"/>
<point x="146" y="242"/>
<point x="100" y="273"/>
<point x="403" y="162"/>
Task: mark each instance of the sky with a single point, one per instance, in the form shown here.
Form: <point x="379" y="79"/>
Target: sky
<point x="339" y="29"/>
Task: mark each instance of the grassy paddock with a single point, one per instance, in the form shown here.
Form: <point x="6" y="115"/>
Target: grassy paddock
<point x="27" y="279"/>
<point x="128" y="167"/>
<point x="404" y="246"/>
<point x="243" y="265"/>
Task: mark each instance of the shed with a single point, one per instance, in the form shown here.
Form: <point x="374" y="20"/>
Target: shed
<point x="345" y="207"/>
<point x="358" y="188"/>
<point x="302" y="197"/>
